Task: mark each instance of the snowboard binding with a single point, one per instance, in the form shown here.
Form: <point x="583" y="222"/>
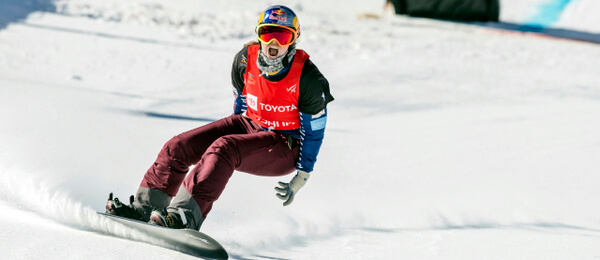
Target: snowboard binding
<point x="162" y="217"/>
<point x="117" y="208"/>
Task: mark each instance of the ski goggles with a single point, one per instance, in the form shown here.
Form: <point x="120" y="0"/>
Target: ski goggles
<point x="267" y="33"/>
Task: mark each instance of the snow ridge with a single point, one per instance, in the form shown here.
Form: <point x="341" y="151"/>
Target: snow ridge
<point x="33" y="193"/>
<point x="185" y="23"/>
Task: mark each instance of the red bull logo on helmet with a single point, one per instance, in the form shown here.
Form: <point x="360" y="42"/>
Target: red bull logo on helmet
<point x="279" y="15"/>
<point x="278" y="12"/>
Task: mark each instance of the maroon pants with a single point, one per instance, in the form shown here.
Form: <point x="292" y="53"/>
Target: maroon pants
<point x="217" y="149"/>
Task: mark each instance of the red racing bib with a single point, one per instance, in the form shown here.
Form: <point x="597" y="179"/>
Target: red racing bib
<point x="273" y="105"/>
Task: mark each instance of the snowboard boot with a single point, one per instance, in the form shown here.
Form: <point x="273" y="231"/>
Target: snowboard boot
<point x="162" y="217"/>
<point x="117" y="208"/>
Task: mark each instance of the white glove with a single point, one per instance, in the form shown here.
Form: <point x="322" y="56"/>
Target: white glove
<point x="287" y="191"/>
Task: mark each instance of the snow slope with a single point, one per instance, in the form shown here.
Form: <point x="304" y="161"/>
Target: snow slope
<point x="446" y="141"/>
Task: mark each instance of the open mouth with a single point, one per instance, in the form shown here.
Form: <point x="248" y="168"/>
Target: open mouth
<point x="273" y="52"/>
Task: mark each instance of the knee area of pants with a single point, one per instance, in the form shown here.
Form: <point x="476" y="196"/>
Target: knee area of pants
<point x="174" y="142"/>
<point x="174" y="146"/>
<point x="222" y="144"/>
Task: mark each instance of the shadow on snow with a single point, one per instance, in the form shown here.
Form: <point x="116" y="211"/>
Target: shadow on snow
<point x="162" y="115"/>
<point x="17" y="10"/>
<point x="535" y="226"/>
<point x="542" y="31"/>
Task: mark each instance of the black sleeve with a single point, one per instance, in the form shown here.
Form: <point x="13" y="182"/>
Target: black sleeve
<point x="238" y="69"/>
<point x="314" y="90"/>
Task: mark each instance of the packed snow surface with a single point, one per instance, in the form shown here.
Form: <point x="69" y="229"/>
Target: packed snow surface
<point x="445" y="141"/>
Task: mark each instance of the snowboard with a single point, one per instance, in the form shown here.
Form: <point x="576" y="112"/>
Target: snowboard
<point x="185" y="240"/>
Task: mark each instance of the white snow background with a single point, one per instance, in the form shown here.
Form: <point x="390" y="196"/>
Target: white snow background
<point x="445" y="141"/>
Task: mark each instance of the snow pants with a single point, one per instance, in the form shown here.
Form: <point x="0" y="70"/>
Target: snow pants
<point x="217" y="149"/>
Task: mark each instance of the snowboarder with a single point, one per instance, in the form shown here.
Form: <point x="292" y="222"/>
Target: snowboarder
<point x="277" y="128"/>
